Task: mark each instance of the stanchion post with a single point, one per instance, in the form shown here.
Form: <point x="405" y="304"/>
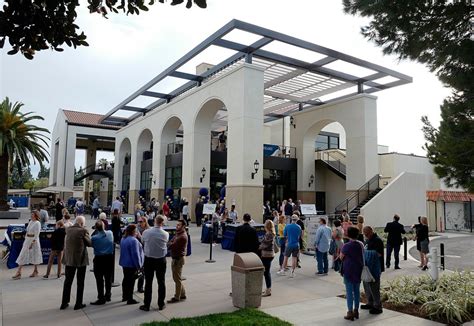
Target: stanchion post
<point x="210" y="260"/>
<point x="405" y="249"/>
<point x="441" y="252"/>
<point x="114" y="284"/>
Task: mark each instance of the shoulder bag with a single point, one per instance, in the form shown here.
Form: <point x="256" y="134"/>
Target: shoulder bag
<point x="366" y="275"/>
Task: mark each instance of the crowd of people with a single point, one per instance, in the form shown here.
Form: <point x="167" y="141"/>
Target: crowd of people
<point x="357" y="252"/>
<point x="356" y="249"/>
<point x="143" y="252"/>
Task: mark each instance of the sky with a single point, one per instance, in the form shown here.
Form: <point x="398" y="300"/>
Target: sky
<point x="126" y="52"/>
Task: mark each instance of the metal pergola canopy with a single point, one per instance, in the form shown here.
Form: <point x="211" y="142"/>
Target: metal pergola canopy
<point x="291" y="83"/>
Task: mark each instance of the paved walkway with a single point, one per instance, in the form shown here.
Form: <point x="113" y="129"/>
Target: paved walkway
<point x="458" y="250"/>
<point x="304" y="300"/>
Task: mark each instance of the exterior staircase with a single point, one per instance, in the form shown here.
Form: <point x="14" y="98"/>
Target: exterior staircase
<point x="354" y="202"/>
<point x="96" y="171"/>
<point x="356" y="211"/>
<point x="334" y="160"/>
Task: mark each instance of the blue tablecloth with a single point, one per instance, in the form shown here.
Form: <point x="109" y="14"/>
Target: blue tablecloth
<point x="15" y="235"/>
<point x="229" y="235"/>
<point x="205" y="233"/>
<point x="207" y="228"/>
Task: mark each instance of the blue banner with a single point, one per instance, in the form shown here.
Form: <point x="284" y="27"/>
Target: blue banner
<point x="270" y="150"/>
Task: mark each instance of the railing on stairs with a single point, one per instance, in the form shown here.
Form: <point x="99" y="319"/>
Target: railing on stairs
<point x="93" y="168"/>
<point x="333" y="159"/>
<point x="358" y="196"/>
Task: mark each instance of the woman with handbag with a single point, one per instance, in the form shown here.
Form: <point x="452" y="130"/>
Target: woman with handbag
<point x="267" y="254"/>
<point x="352" y="255"/>
<point x="131" y="260"/>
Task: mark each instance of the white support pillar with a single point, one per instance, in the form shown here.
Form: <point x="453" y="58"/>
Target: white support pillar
<point x="70" y="159"/>
<point x="358" y="116"/>
<point x="361" y="141"/>
<point x="158" y="179"/>
<point x="135" y="161"/>
<point x="245" y="143"/>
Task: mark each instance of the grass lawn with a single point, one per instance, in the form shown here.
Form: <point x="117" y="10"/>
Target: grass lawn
<point x="240" y="317"/>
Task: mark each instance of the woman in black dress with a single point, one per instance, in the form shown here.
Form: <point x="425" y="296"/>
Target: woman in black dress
<point x="424" y="242"/>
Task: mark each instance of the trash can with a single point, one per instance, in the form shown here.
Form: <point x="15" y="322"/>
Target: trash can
<point x="247" y="275"/>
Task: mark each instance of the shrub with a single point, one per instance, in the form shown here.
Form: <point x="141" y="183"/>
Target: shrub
<point x="450" y="299"/>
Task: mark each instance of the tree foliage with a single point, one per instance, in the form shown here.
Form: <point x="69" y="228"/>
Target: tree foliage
<point x="77" y="174"/>
<point x="36" y="25"/>
<point x="21" y="141"/>
<point x="43" y="172"/>
<point x="439" y="35"/>
<point x="18" y="178"/>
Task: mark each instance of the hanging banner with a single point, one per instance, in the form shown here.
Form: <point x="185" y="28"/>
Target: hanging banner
<point x="270" y="150"/>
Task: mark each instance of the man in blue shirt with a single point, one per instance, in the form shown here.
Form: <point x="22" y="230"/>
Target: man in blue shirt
<point x="155" y="243"/>
<point x="95" y="208"/>
<point x="103" y="244"/>
<point x="292" y="233"/>
<point x="321" y="244"/>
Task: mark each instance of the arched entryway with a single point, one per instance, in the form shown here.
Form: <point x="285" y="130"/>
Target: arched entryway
<point x="122" y="176"/>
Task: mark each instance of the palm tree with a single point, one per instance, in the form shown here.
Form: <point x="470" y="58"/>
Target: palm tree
<point x="20" y="140"/>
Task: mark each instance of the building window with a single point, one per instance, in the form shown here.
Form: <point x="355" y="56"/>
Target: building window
<point x="173" y="177"/>
<point x="322" y="142"/>
<point x="333" y="142"/>
<point x="125" y="181"/>
<point x="145" y="180"/>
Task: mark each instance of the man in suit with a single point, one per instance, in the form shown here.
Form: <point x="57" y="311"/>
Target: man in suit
<point x="76" y="258"/>
<point x="246" y="239"/>
<point x="394" y="240"/>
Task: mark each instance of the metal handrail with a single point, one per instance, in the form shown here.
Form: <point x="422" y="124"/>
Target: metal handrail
<point x="335" y="162"/>
<point x="361" y="194"/>
<point x="96" y="167"/>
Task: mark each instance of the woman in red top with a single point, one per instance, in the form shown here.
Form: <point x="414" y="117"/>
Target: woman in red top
<point x="166" y="209"/>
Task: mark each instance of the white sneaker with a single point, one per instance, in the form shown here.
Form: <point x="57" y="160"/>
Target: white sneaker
<point x="281" y="272"/>
<point x="292" y="274"/>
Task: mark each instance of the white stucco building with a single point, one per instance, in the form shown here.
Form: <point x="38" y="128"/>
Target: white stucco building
<point x="268" y="125"/>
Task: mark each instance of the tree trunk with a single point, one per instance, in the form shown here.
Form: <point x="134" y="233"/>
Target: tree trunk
<point x="4" y="182"/>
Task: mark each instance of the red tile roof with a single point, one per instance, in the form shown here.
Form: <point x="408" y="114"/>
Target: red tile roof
<point x="449" y="196"/>
<point x="86" y="119"/>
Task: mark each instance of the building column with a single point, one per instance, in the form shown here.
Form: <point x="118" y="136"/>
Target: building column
<point x="196" y="155"/>
<point x="135" y="161"/>
<point x="245" y="144"/>
<point x="361" y="142"/>
<point x="69" y="153"/>
<point x="91" y="156"/>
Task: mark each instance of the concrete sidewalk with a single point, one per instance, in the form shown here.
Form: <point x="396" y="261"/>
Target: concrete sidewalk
<point x="303" y="300"/>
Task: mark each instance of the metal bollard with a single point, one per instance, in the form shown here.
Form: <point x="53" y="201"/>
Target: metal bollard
<point x="433" y="264"/>
<point x="405" y="249"/>
<point x="441" y="253"/>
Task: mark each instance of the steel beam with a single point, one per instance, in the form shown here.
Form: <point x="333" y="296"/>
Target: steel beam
<point x="188" y="56"/>
<point x="184" y="75"/>
<point x="156" y="94"/>
<point x="317" y="48"/>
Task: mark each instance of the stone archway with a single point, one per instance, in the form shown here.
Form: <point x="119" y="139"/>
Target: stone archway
<point x="198" y="149"/>
<point x="315" y="178"/>
<point x="122" y="170"/>
<point x="170" y="143"/>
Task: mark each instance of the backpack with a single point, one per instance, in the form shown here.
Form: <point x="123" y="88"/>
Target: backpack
<point x="332" y="247"/>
